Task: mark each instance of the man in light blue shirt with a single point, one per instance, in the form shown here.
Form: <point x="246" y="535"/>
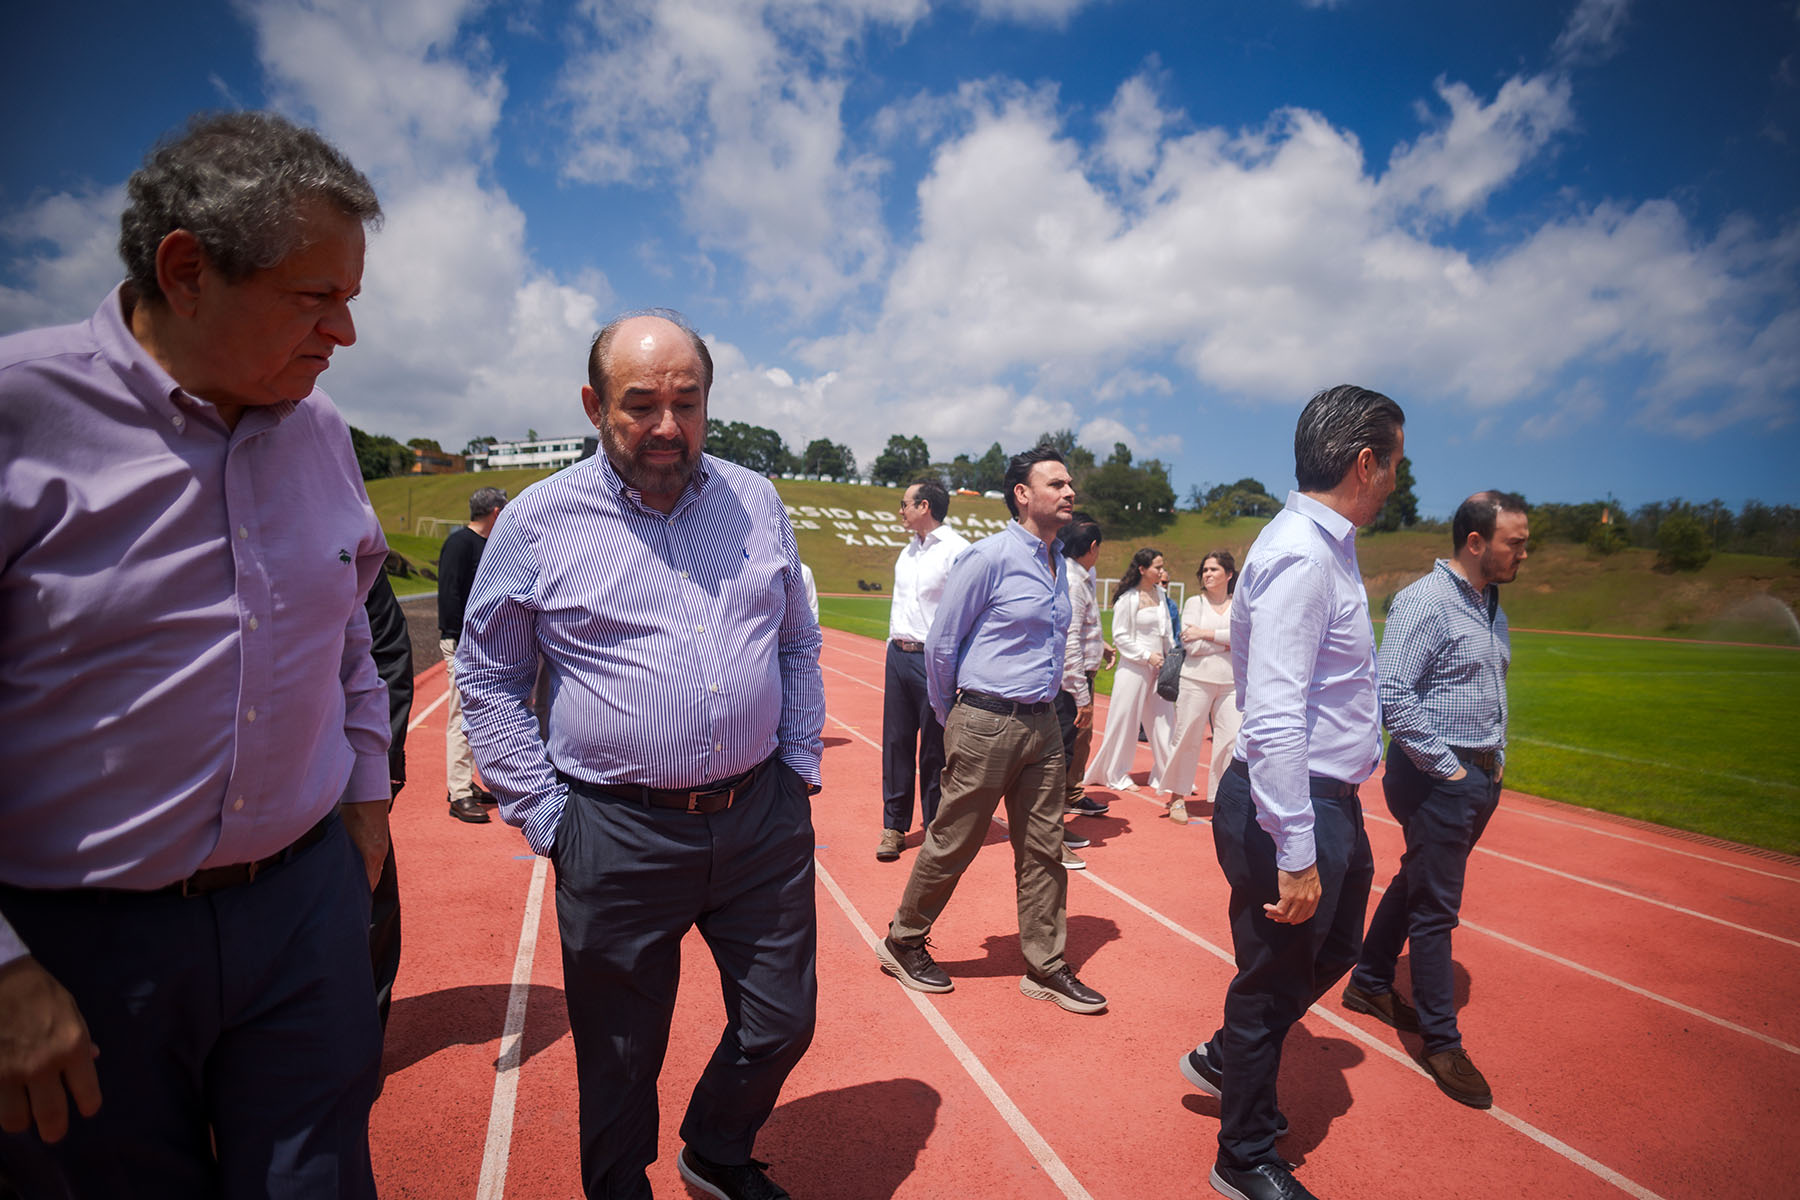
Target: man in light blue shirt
<point x="993" y="667"/>
<point x="1287" y="823"/>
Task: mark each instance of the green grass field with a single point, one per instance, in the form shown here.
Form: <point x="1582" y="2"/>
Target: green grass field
<point x="1682" y="734"/>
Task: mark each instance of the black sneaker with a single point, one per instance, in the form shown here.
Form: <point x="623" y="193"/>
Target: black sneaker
<point x="1197" y="1068"/>
<point x="1264" y="1181"/>
<point x="1087" y="806"/>
<point x="743" y="1182"/>
<point x="912" y="966"/>
<point x="1063" y="989"/>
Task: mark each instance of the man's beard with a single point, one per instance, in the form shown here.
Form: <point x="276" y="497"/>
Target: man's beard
<point x="648" y="478"/>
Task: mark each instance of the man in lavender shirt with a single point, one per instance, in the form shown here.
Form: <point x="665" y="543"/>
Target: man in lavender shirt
<point x="1287" y="820"/>
<point x="196" y="735"/>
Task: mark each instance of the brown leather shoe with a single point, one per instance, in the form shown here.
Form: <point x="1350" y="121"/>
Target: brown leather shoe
<point x="467" y="808"/>
<point x="1386" y="1007"/>
<point x="1458" y="1079"/>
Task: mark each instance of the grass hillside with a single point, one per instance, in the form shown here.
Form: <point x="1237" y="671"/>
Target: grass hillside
<point x="1735" y="597"/>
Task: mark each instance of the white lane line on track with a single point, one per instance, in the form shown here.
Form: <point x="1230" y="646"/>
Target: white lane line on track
<point x="1021" y="1126"/>
<point x="429" y="709"/>
<point x="506" y="1071"/>
<point x="1553" y="1144"/>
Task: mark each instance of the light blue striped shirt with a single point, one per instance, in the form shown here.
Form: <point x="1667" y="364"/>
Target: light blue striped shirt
<point x="1003" y="624"/>
<point x="1444" y="657"/>
<point x="680" y="648"/>
<point x="1303" y="656"/>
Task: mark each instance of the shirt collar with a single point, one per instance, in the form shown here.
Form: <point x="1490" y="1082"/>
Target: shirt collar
<point x="1468" y="589"/>
<point x="1335" y="525"/>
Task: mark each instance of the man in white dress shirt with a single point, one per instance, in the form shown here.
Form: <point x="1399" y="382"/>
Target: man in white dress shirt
<point x="1287" y="821"/>
<point x="908" y="726"/>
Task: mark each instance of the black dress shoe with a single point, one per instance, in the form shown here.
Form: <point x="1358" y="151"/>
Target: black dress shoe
<point x="1390" y="1008"/>
<point x="1062" y="988"/>
<point x="467" y="808"/>
<point x="1264" y="1181"/>
<point x="482" y="795"/>
<point x="912" y="965"/>
<point x="744" y="1181"/>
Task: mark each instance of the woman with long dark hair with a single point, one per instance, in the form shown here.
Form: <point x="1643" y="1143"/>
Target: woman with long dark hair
<point x="1207" y="695"/>
<point x="1142" y="634"/>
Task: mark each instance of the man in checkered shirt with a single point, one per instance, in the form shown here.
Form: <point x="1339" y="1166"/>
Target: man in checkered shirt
<point x="1442" y="669"/>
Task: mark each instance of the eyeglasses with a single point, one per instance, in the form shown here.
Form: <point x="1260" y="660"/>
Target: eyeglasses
<point x="906" y="504"/>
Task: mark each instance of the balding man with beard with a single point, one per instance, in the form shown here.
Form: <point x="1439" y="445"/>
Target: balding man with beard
<point x="663" y="588"/>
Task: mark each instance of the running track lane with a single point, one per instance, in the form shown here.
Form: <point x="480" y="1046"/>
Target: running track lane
<point x="1628" y="994"/>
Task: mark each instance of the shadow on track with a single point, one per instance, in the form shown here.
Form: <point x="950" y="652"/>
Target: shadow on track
<point x="853" y="1143"/>
<point x="469" y="1015"/>
<point x="1313" y="1090"/>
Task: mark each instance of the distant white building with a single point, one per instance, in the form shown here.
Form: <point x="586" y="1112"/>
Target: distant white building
<point x="543" y="454"/>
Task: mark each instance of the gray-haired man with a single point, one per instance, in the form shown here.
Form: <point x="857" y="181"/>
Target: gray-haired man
<point x="456" y="575"/>
<point x="196" y="735"/>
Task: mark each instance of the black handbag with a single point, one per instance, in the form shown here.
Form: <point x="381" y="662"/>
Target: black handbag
<point x="1168" y="676"/>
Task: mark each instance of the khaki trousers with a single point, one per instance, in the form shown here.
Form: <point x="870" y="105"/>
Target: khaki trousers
<point x="989" y="757"/>
<point x="459" y="762"/>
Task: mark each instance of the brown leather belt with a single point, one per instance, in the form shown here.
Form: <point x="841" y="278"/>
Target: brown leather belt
<point x="212" y="879"/>
<point x="708" y="798"/>
<point x="909" y="647"/>
<point x="988" y="702"/>
<point x="1487" y="760"/>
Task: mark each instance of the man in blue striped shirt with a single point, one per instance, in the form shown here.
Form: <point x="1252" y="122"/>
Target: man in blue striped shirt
<point x="993" y="667"/>
<point x="1443" y="668"/>
<point x="662" y="588"/>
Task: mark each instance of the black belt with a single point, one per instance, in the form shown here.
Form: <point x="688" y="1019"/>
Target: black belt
<point x="909" y="647"/>
<point x="1317" y="785"/>
<point x="705" y="800"/>
<point x="212" y="879"/>
<point x="1487" y="760"/>
<point x="988" y="702"/>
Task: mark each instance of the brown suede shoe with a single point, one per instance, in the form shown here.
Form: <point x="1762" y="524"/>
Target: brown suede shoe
<point x="1458" y="1079"/>
<point x="1386" y="1007"/>
<point x="892" y="842"/>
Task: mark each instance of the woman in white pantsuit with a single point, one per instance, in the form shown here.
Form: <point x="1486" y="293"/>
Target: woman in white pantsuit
<point x="1142" y="634"/>
<point x="1207" y="695"/>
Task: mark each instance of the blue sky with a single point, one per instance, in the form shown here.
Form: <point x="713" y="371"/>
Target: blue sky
<point x="1565" y="236"/>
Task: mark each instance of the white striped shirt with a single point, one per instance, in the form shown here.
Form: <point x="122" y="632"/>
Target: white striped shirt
<point x="680" y="648"/>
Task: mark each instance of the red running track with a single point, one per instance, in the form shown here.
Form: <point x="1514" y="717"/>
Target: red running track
<point x="1628" y="992"/>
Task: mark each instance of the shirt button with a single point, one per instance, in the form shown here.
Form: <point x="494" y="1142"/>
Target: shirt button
<point x="250" y="716"/>
<point x="718" y="747"/>
<point x="715" y="687"/>
<point x="178" y="421"/>
<point x="238" y="804"/>
<point x="684" y="574"/>
<point x="243" y="532"/>
<point x="699" y="629"/>
<point x="253" y="624"/>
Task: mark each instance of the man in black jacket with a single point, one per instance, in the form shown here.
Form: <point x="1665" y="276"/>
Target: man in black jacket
<point x="392" y="650"/>
<point x="456" y="575"/>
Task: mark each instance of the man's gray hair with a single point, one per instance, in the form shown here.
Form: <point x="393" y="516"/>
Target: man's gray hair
<point x="1334" y="428"/>
<point x="236" y="181"/>
<point x="485" y="500"/>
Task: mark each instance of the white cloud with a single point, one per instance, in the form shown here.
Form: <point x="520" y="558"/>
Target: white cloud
<point x="69" y="258"/>
<point x="1591" y="33"/>
<point x="1455" y="167"/>
<point x="1131" y="128"/>
<point x="1034" y="12"/>
<point x="735" y="107"/>
<point x="1580" y="405"/>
